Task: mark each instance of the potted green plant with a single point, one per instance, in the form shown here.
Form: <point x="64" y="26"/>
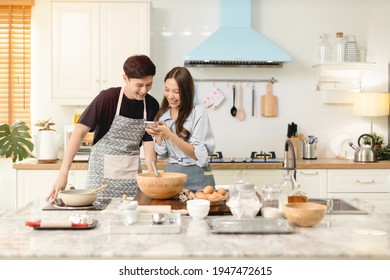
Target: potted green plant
<point x="378" y="140"/>
<point x="14" y="141"/>
<point x="46" y="141"/>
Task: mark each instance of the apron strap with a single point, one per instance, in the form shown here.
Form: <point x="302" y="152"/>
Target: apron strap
<point x="118" y="105"/>
<point x="145" y="113"/>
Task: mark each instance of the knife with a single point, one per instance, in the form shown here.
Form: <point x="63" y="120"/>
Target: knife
<point x="289" y="131"/>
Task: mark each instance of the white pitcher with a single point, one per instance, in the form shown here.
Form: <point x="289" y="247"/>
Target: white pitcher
<point x="47" y="145"/>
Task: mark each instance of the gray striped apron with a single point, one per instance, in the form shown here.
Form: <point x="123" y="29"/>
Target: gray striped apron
<point x="198" y="177"/>
<point x="115" y="159"/>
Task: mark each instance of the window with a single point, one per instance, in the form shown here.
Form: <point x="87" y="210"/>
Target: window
<point x="15" y="60"/>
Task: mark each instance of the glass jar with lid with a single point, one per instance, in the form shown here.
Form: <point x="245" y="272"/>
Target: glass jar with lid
<point x="270" y="196"/>
<point x="244" y="201"/>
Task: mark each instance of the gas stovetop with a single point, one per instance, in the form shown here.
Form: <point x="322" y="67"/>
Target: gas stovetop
<point x="255" y="157"/>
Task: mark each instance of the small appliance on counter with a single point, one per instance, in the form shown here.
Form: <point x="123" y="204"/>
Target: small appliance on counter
<point x="84" y="151"/>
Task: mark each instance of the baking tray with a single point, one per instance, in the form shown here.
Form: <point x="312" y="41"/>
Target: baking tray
<point x="259" y="225"/>
<point x="90" y="226"/>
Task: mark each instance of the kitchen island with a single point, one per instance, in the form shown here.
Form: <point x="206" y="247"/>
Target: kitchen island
<point x="333" y="238"/>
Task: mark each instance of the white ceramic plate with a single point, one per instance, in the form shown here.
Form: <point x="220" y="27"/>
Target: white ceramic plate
<point x="340" y="147"/>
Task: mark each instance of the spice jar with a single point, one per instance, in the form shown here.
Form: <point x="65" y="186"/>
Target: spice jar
<point x="270" y="196"/>
<point x="129" y="212"/>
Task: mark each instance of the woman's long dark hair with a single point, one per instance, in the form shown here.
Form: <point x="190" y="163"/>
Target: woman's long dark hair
<point x="186" y="90"/>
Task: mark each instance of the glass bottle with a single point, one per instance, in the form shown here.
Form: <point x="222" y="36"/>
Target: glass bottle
<point x="297" y="195"/>
<point x="324" y="49"/>
<point x="286" y="187"/>
<point x="340" y="47"/>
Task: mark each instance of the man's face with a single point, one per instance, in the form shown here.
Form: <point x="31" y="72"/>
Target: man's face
<point x="138" y="88"/>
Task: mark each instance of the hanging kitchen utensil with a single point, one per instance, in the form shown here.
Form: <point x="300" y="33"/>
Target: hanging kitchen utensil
<point x="233" y="110"/>
<point x="240" y="108"/>
<point x="269" y="103"/>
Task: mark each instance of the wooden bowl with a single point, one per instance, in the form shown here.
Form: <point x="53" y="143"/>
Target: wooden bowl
<point x="166" y="185"/>
<point x="304" y="214"/>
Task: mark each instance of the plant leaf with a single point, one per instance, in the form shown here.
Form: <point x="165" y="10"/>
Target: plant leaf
<point x="14" y="141"/>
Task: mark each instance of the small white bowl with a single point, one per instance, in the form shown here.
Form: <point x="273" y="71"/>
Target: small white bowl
<point x="198" y="208"/>
<point x="271" y="213"/>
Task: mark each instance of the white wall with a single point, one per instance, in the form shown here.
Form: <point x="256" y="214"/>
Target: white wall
<point x="293" y="25"/>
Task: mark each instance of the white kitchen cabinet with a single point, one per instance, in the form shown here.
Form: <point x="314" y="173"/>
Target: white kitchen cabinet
<point x="372" y="185"/>
<point x="313" y="182"/>
<point x="36" y="184"/>
<point x="90" y="43"/>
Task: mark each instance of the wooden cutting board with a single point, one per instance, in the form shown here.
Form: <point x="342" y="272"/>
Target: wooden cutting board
<point x="269" y="103"/>
<point x="176" y="204"/>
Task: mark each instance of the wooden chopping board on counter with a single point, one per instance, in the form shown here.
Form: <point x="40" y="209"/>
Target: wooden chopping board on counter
<point x="269" y="103"/>
<point x="176" y="204"/>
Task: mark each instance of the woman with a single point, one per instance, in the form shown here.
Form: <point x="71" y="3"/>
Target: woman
<point x="183" y="133"/>
<point x="117" y="117"/>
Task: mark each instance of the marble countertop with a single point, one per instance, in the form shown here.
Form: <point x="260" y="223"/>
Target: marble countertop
<point x="333" y="238"/>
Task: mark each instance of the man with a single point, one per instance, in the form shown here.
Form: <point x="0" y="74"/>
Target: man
<point x="117" y="117"/>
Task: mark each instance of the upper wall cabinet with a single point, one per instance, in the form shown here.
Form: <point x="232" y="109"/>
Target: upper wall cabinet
<point x="90" y="43"/>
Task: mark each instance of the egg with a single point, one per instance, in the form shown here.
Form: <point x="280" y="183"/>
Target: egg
<point x="214" y="196"/>
<point x="222" y="191"/>
<point x="208" y="189"/>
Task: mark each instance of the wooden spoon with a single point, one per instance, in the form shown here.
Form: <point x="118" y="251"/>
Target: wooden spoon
<point x="240" y="108"/>
<point x="98" y="189"/>
<point x="154" y="168"/>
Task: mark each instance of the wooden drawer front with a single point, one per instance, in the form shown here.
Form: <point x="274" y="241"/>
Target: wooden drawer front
<point x="370" y="181"/>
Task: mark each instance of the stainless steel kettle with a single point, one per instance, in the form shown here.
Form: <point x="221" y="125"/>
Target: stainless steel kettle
<point x="365" y="152"/>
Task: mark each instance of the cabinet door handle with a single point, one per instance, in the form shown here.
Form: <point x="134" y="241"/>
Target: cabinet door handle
<point x="366" y="182"/>
<point x="309" y="173"/>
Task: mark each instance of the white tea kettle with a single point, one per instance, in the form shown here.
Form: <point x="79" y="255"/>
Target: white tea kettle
<point x="365" y="152"/>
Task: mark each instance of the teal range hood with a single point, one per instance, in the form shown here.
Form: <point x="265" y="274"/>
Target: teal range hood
<point x="235" y="43"/>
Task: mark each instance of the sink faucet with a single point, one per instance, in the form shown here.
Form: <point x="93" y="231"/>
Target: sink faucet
<point x="290" y="165"/>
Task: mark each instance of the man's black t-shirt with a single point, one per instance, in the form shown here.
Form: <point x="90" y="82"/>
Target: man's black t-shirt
<point x="100" y="114"/>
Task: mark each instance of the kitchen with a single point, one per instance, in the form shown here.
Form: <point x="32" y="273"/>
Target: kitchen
<point x="294" y="27"/>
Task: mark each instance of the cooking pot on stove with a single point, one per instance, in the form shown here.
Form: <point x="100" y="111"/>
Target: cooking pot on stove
<point x="365" y="152"/>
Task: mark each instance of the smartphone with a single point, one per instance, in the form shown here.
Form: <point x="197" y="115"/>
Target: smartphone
<point x="151" y="123"/>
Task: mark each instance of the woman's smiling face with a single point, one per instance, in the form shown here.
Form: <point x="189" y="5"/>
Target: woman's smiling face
<point x="172" y="93"/>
